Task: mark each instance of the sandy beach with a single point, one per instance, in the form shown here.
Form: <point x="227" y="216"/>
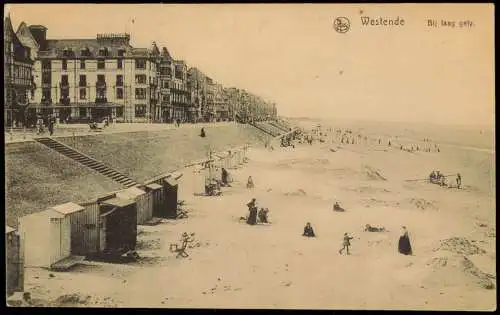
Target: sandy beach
<point x="234" y="265"/>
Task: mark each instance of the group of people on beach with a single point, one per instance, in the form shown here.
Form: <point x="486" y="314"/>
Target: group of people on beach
<point x="255" y="213"/>
<point x="404" y="244"/>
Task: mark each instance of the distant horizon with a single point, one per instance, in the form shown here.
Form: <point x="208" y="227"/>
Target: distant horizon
<point x="432" y="123"/>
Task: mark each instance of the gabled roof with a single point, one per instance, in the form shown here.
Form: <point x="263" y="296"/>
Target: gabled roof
<point x="24" y="34"/>
<point x="8" y="229"/>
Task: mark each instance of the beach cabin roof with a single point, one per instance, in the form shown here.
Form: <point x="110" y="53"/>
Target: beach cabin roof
<point x="153" y="186"/>
<point x="171" y="181"/>
<point x="119" y="202"/>
<point x="8" y="229"/>
<point x="132" y="192"/>
<point x="176" y="175"/>
<point x="68" y="208"/>
<point x="50" y="214"/>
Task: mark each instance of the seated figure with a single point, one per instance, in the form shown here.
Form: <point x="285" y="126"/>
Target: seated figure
<point x="308" y="231"/>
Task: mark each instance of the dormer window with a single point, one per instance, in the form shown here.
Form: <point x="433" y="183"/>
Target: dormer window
<point x="103" y="52"/>
<point x="67" y="52"/>
<point x="85" y="52"/>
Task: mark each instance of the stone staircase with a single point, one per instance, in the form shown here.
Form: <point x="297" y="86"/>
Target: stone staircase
<point x="280" y="126"/>
<point x="87" y="161"/>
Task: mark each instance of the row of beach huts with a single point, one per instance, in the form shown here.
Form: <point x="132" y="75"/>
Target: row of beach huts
<point x="104" y="228"/>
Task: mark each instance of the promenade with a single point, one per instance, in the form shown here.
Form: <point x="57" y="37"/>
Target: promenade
<point x="65" y="130"/>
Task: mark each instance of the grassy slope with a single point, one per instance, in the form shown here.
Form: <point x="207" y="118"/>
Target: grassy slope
<point x="143" y="155"/>
<point x="37" y="178"/>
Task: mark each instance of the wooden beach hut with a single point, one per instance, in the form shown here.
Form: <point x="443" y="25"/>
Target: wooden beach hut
<point x="144" y="211"/>
<point x="46" y="237"/>
<point x="170" y="190"/>
<point x="14" y="261"/>
<point x="117" y="226"/>
<point x="155" y="197"/>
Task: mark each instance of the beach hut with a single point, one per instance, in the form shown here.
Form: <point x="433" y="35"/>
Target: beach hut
<point x="155" y="197"/>
<point x="84" y="222"/>
<point x="144" y="211"/>
<point x="85" y="229"/>
<point x="46" y="238"/>
<point x="14" y="261"/>
<point x="117" y="225"/>
<point x="170" y="190"/>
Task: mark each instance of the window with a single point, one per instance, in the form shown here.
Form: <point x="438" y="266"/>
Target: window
<point x="140" y="94"/>
<point x="140" y="110"/>
<point x="165" y="84"/>
<point x="83" y="112"/>
<point x="140" y="79"/>
<point x="64" y="79"/>
<point x="119" y="112"/>
<point x="83" y="80"/>
<point x="103" y="52"/>
<point x="65" y="64"/>
<point x="46" y="78"/>
<point x="119" y="80"/>
<point x="83" y="93"/>
<point x="67" y="52"/>
<point x="119" y="63"/>
<point x="101" y="64"/>
<point x="178" y="73"/>
<point x="140" y="64"/>
<point x="119" y="93"/>
<point x="85" y="52"/>
<point x="121" y="52"/>
<point x="46" y="64"/>
<point x="100" y="78"/>
<point x="46" y="95"/>
<point x="82" y="64"/>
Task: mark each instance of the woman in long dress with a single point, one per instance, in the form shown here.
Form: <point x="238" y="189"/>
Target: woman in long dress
<point x="404" y="246"/>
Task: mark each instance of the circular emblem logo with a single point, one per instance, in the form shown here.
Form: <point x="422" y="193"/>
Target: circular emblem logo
<point x="342" y="24"/>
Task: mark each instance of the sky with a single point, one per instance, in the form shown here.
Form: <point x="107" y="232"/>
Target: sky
<point x="292" y="55"/>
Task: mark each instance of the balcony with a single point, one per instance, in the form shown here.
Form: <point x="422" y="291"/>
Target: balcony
<point x="64" y="100"/>
<point x="101" y="100"/>
<point x="46" y="101"/>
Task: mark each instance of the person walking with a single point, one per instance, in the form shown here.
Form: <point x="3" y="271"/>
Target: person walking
<point x="346" y="243"/>
<point x="51" y="122"/>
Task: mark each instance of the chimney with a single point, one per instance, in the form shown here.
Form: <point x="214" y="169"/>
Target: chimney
<point x="39" y="32"/>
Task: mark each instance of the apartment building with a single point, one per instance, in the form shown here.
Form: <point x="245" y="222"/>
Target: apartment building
<point x="221" y="106"/>
<point x="89" y="79"/>
<point x="196" y="82"/>
<point x="165" y="67"/>
<point x="180" y="93"/>
<point x="18" y="80"/>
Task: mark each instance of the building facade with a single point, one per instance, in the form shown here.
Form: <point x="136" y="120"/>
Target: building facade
<point x="89" y="79"/>
<point x="196" y="82"/>
<point x="18" y="79"/>
<point x="180" y="94"/>
<point x="165" y="67"/>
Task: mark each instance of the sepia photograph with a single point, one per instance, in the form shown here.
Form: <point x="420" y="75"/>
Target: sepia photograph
<point x="250" y="156"/>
